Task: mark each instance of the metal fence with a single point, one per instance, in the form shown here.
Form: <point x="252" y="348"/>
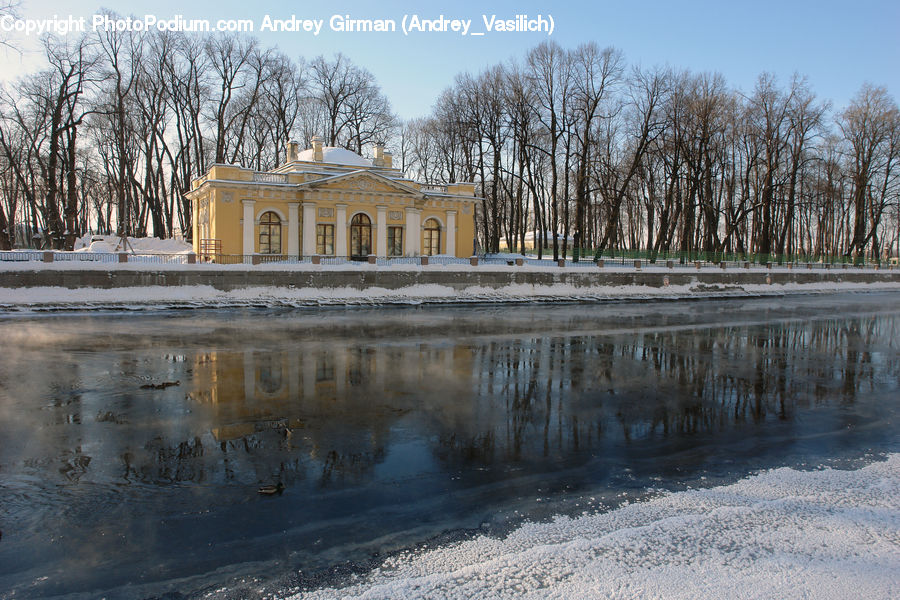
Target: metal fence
<point x="491" y="260"/>
<point x="619" y="259"/>
<point x="611" y="256"/>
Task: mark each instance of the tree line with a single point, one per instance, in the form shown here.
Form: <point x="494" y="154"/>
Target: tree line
<point x="572" y="150"/>
<point x="581" y="153"/>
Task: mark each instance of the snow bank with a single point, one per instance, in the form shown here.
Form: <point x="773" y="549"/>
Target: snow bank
<point x="781" y="534"/>
<point x="205" y="295"/>
<point x="151" y="245"/>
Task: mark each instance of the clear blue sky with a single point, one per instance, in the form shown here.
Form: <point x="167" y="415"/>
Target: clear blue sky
<point x="838" y="45"/>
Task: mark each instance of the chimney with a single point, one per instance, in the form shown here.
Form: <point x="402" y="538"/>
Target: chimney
<point x="379" y="155"/>
<point x="293" y="150"/>
<point x="388" y="160"/>
<point x="318" y="156"/>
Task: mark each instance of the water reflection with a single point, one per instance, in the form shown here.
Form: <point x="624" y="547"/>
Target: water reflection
<point x="168" y="423"/>
<point x="330" y="405"/>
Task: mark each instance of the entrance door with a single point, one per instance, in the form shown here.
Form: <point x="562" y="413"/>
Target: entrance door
<point x="360" y="237"/>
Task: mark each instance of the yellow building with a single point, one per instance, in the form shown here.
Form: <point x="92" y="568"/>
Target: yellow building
<point x="330" y="202"/>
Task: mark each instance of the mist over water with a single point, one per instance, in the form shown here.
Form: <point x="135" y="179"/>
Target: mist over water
<point x="134" y="444"/>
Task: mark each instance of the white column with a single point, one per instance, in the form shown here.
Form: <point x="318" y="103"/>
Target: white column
<point x="381" y="231"/>
<point x="380" y="366"/>
<point x="293" y="229"/>
<point x="293" y="370"/>
<point x="309" y="228"/>
<point x="451" y="232"/>
<point x="309" y="376"/>
<point x="195" y="225"/>
<point x="413" y="233"/>
<point x="340" y="374"/>
<point x="340" y="231"/>
<point x="248" y="247"/>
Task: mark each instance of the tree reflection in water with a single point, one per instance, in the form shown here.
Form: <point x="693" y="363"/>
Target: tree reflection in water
<point x="378" y="420"/>
<point x="481" y="402"/>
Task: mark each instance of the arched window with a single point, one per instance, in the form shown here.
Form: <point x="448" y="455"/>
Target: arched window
<point x="360" y="236"/>
<point x="269" y="233"/>
<point x="432" y="238"/>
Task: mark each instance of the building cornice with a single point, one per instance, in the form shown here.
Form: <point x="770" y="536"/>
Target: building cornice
<point x="362" y="173"/>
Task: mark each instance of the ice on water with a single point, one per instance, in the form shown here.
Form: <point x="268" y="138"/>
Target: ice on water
<point x="780" y="534"/>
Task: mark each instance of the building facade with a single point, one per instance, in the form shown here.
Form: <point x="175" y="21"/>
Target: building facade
<point x="330" y="202"/>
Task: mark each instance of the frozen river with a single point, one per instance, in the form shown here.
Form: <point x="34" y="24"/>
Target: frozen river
<point x="133" y="444"/>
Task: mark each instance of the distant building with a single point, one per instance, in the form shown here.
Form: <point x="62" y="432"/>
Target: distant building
<point x="331" y="202"/>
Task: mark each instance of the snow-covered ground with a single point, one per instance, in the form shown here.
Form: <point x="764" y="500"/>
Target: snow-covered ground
<point x="780" y="534"/>
<point x="203" y="295"/>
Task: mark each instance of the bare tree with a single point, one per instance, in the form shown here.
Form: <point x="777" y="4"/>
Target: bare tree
<point x="235" y="65"/>
<point x="596" y="72"/>
<point x="282" y="91"/>
<point x="870" y="129"/>
<point x="523" y="125"/>
<point x="188" y="94"/>
<point x="644" y="122"/>
<point x="352" y="106"/>
<point x="122" y="52"/>
<point x="550" y="75"/>
<point x="805" y="116"/>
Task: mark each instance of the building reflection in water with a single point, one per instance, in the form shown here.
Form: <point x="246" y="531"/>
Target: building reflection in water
<point x="333" y="405"/>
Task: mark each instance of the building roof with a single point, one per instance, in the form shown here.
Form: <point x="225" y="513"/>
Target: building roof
<point x="340" y="156"/>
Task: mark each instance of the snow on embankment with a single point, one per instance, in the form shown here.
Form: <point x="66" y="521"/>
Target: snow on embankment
<point x="85" y="284"/>
<point x="781" y="534"/>
<point x="204" y="295"/>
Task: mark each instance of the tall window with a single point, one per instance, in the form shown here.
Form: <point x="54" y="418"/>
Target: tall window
<point x="269" y="373"/>
<point x="360" y="236"/>
<point x="269" y="234"/>
<point x="325" y="240"/>
<point x="324" y="367"/>
<point x="395" y="241"/>
<point x="432" y="238"/>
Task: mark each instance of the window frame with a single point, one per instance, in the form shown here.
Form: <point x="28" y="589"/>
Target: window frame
<point x="360" y="229"/>
<point x="324" y="239"/>
<point x="394" y="245"/>
<point x="430" y="233"/>
<point x="266" y="227"/>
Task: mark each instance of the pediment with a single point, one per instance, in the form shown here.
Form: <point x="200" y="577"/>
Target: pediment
<point x="360" y="181"/>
